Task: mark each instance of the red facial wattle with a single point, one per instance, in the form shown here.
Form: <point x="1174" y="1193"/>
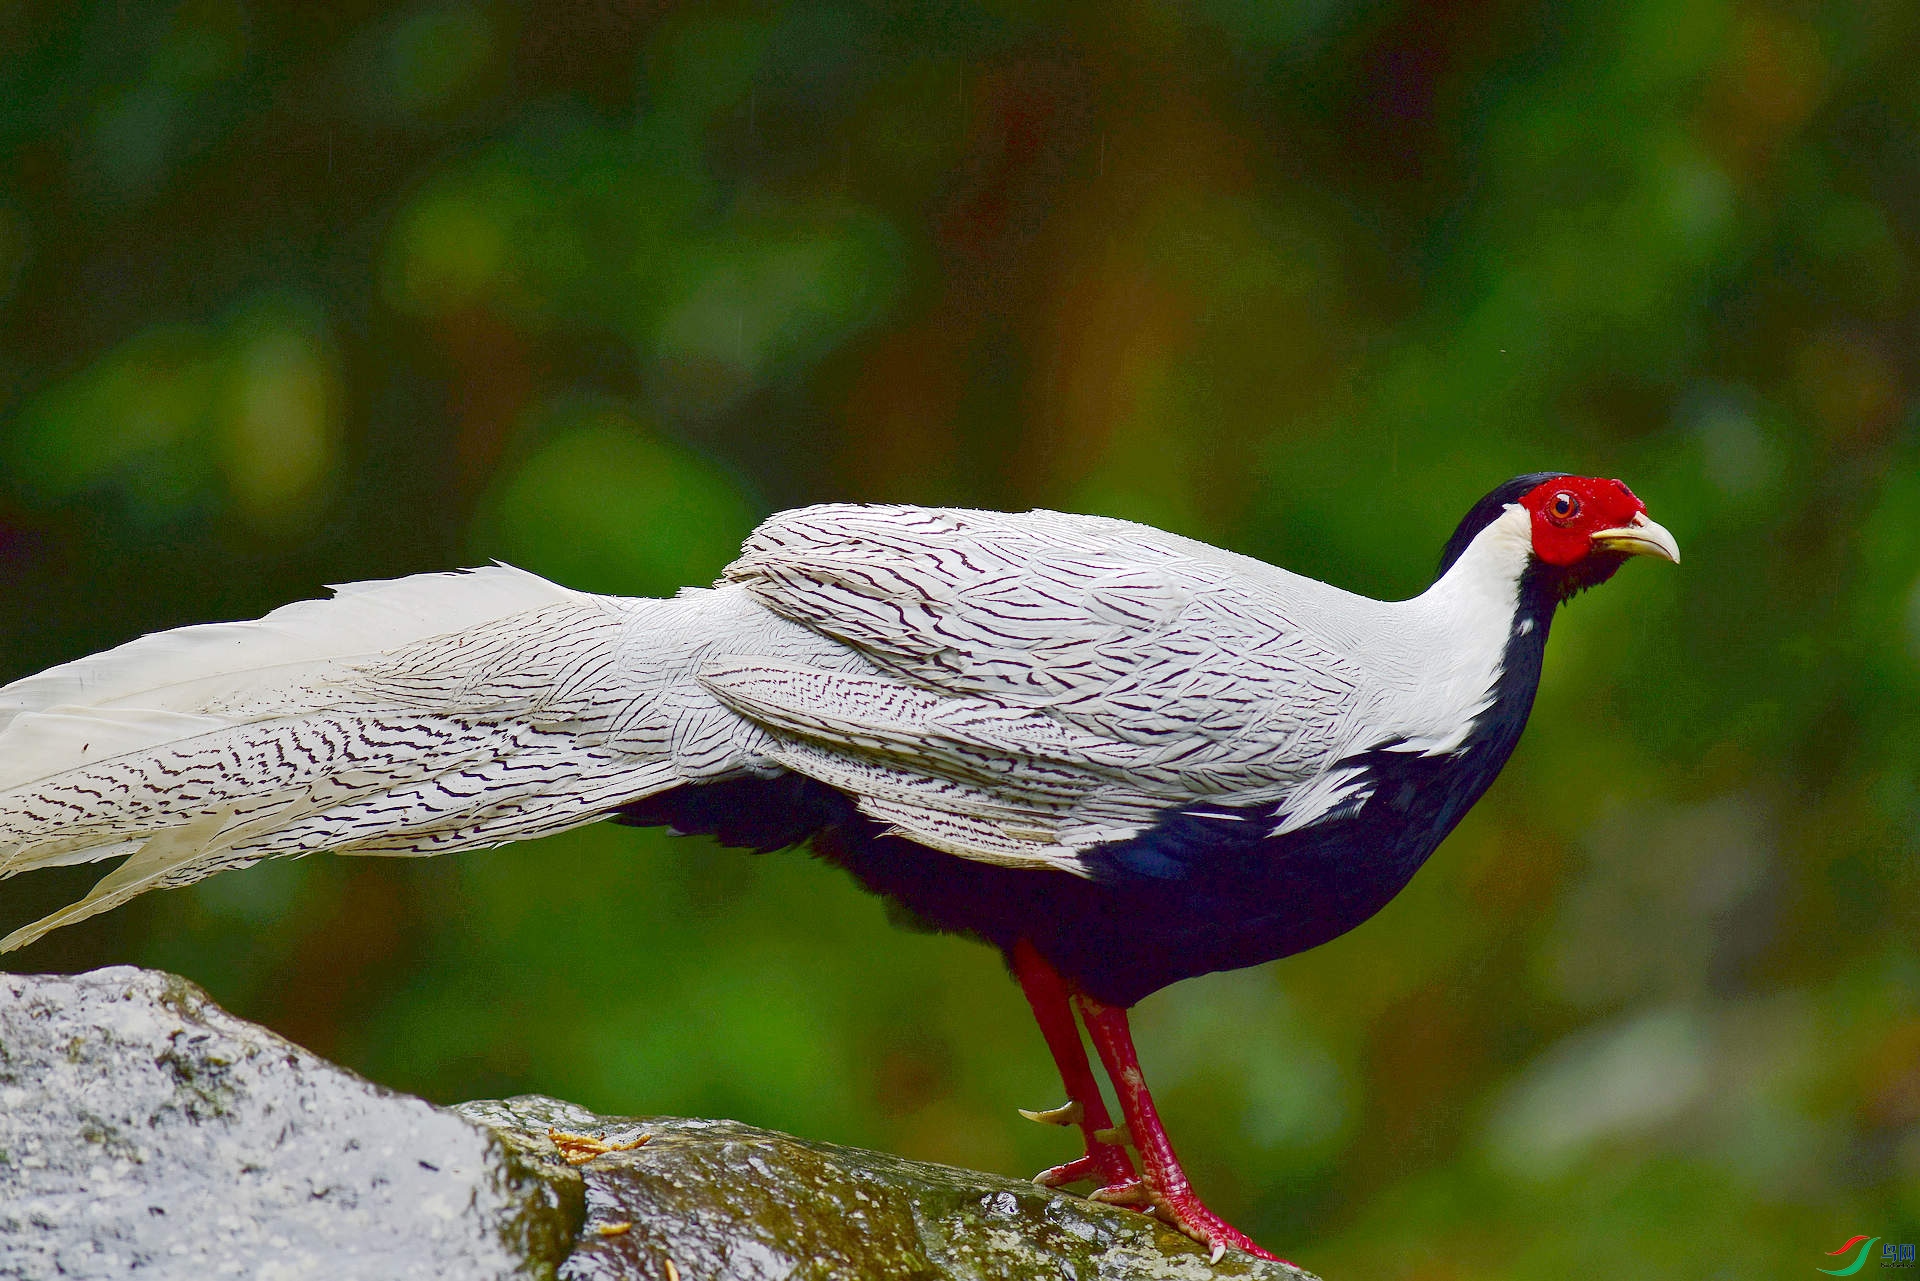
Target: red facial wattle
<point x="1573" y="516"/>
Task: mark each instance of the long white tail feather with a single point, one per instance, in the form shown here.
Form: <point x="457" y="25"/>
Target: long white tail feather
<point x="210" y="748"/>
<point x="43" y="744"/>
<point x="423" y="820"/>
<point x="178" y="670"/>
<point x="455" y="784"/>
<point x="142" y="871"/>
<point x="59" y="853"/>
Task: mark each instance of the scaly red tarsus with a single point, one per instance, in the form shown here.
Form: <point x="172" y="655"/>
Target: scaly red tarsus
<point x="1106" y="1163"/>
<point x="1174" y="1199"/>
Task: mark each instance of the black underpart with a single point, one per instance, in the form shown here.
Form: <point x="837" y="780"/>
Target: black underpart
<point x="1207" y="887"/>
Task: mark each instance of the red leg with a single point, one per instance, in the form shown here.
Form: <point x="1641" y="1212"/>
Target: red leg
<point x="1107" y="1162"/>
<point x="1173" y="1196"/>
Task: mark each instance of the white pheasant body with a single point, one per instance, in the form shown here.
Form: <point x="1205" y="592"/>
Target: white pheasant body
<point x="1018" y="690"/>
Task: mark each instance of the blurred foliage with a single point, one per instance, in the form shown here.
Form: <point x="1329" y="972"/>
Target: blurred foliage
<point x="302" y="294"/>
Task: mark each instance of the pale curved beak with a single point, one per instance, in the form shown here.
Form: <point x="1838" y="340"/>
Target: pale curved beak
<point x="1642" y="537"/>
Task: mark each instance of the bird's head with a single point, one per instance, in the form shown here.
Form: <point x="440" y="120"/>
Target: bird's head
<point x="1579" y="529"/>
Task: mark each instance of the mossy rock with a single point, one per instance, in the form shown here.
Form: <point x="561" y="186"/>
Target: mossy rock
<point x="720" y="1199"/>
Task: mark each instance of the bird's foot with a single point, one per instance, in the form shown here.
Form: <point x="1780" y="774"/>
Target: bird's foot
<point x="1188" y="1214"/>
<point x="1106" y="1162"/>
<point x="1119" y="1185"/>
<point x="1168" y="1189"/>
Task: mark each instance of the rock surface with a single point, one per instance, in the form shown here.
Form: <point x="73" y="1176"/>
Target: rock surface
<point x="145" y="1131"/>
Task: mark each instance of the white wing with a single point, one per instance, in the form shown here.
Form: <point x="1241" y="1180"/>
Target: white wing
<point x="1046" y="683"/>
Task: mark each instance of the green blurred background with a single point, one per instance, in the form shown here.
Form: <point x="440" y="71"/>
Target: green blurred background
<point x="296" y="294"/>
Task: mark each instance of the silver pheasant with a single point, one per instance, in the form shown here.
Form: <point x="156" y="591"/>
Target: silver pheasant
<point x="1119" y="754"/>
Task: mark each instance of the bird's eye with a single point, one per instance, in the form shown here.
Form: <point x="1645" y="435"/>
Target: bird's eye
<point x="1564" y="507"/>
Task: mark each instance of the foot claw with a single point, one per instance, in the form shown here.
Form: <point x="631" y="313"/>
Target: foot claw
<point x="1075" y="1171"/>
<point x="1132" y="1192"/>
<point x="1065" y="1114"/>
<point x="1210" y="1230"/>
<point x="1186" y="1213"/>
<point x="1119" y="1136"/>
<point x="1125" y="1191"/>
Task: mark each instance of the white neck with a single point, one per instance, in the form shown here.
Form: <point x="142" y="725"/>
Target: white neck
<point x="1456" y="633"/>
<point x="1485" y="580"/>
